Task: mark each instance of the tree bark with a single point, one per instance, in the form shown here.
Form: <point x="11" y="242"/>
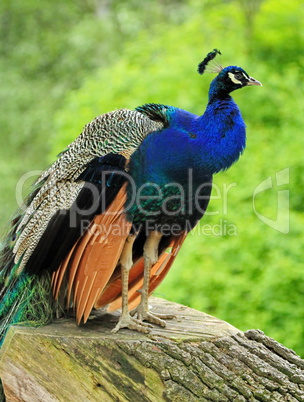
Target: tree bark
<point x="196" y="358"/>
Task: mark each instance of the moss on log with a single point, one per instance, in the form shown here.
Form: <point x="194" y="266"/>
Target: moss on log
<point x="197" y="357"/>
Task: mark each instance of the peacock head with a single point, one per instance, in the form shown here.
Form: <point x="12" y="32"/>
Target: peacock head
<point x="228" y="79"/>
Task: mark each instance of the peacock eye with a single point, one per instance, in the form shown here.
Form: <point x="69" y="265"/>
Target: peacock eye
<point x="239" y="76"/>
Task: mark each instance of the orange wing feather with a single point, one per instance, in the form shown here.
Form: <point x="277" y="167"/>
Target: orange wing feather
<point x="112" y="293"/>
<point x="92" y="261"/>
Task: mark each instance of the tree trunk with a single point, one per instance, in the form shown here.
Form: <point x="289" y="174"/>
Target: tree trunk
<point x="196" y="358"/>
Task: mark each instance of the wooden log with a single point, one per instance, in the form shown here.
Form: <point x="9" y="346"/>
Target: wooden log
<point x="196" y="358"/>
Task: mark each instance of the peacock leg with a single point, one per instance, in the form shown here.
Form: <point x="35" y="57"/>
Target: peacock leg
<point x="125" y="319"/>
<point x="141" y="312"/>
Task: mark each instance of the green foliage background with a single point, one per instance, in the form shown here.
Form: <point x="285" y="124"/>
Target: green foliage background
<point x="61" y="64"/>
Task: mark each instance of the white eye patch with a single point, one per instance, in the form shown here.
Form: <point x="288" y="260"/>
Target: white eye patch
<point x="233" y="79"/>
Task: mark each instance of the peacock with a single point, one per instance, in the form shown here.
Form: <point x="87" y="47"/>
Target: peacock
<point x="104" y="223"/>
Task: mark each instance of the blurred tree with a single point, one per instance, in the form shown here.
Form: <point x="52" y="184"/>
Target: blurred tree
<point x="48" y="49"/>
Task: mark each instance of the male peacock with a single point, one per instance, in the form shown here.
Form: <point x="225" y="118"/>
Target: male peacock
<point x="107" y="219"/>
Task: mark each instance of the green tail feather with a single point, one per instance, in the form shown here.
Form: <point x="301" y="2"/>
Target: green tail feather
<point x="28" y="301"/>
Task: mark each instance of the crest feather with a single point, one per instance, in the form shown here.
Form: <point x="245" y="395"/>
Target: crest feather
<point x="213" y="67"/>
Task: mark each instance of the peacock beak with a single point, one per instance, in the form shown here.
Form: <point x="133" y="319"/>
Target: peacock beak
<point x="252" y="81"/>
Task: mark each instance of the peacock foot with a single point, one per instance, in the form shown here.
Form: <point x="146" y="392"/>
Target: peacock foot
<point x="126" y="321"/>
<point x="143" y="314"/>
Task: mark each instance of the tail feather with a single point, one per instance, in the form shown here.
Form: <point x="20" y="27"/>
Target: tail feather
<point x="28" y="299"/>
<point x="10" y="238"/>
<point x="22" y="297"/>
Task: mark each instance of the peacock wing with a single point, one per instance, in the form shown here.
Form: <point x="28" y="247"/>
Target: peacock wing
<point x="39" y="229"/>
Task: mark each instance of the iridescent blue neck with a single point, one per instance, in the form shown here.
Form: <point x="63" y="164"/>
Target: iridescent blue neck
<point x="217" y="91"/>
<point x="222" y="135"/>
